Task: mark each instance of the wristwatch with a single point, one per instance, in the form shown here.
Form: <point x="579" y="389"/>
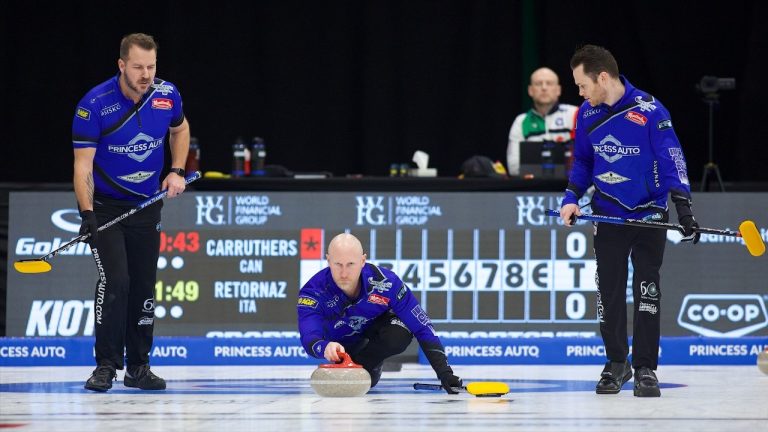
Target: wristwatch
<point x="179" y="171"/>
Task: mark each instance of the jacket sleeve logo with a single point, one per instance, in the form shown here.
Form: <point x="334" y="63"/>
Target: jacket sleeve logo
<point x="307" y="302"/>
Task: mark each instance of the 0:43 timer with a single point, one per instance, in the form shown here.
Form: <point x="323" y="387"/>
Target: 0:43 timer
<point x="180" y="242"/>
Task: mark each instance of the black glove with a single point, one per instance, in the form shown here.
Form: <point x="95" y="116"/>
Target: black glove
<point x="688" y="224"/>
<point x="449" y="380"/>
<point x="89" y="225"/>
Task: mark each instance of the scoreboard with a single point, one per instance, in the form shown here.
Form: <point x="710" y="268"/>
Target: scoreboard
<point x="231" y="263"/>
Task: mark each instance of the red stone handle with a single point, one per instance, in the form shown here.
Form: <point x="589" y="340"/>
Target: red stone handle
<point x="346" y="362"/>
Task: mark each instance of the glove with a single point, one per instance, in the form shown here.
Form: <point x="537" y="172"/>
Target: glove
<point x="89" y="225"/>
<point x="688" y="224"/>
<point x="449" y="380"/>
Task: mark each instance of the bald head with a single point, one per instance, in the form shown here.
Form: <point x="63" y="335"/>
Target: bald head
<point x="346" y="259"/>
<point x="345" y="242"/>
<point x="544" y="73"/>
<point x="544" y="89"/>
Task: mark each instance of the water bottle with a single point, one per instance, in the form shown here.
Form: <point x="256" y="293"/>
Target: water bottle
<point x="238" y="158"/>
<point x="193" y="156"/>
<point x="548" y="159"/>
<point x="568" y="154"/>
<point x="259" y="154"/>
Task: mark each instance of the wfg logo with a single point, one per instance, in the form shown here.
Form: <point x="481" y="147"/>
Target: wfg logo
<point x="370" y="210"/>
<point x="210" y="210"/>
<point x="723" y="315"/>
<point x="530" y="211"/>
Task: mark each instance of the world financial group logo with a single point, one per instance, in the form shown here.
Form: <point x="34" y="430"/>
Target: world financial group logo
<point x="210" y="210"/>
<point x="370" y="210"/>
<point x="236" y="210"/>
<point x="410" y="210"/>
<point x="723" y="315"/>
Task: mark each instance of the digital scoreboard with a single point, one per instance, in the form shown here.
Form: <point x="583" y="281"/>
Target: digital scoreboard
<point x="231" y="264"/>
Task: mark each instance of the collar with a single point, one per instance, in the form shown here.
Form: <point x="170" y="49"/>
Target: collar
<point x="555" y="108"/>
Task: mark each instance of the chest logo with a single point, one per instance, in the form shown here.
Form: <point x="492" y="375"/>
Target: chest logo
<point x="611" y="177"/>
<point x="378" y="299"/>
<point x="636" y="118"/>
<point x="162" y="103"/>
<point x="137" y="177"/>
<point x="611" y="149"/>
<point x="645" y="106"/>
<point x="163" y="89"/>
<point x="110" y="109"/>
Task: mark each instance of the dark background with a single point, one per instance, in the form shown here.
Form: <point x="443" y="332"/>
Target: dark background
<point x="353" y="86"/>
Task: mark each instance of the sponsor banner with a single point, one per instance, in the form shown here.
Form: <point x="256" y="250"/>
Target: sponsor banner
<point x="193" y="351"/>
<point x="167" y="351"/>
<point x="571" y="351"/>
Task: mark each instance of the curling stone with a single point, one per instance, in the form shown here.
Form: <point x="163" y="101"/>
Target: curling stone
<point x="344" y="379"/>
<point x="762" y="361"/>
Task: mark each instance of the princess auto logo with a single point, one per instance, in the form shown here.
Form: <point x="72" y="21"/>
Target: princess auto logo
<point x="723" y="315"/>
<point x="139" y="148"/>
<point x="612" y="150"/>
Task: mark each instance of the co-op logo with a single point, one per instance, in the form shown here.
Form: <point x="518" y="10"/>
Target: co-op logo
<point x="723" y="315"/>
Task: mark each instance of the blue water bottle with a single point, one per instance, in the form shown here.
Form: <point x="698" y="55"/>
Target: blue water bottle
<point x="259" y="156"/>
<point x="238" y="158"/>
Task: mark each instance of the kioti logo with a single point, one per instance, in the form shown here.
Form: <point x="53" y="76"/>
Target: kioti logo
<point x="60" y="318"/>
<point x="723" y="315"/>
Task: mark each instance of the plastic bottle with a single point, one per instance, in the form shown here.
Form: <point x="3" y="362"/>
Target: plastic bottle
<point x="547" y="159"/>
<point x="238" y="158"/>
<point x="259" y="154"/>
<point x="193" y="157"/>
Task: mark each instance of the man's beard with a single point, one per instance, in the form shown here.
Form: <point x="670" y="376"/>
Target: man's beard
<point x="133" y="86"/>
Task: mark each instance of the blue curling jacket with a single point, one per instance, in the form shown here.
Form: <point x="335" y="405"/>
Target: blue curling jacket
<point x="129" y="137"/>
<point x="326" y="314"/>
<point x="630" y="153"/>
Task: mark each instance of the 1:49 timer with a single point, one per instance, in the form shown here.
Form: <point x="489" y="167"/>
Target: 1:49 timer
<point x="188" y="291"/>
<point x="180" y="242"/>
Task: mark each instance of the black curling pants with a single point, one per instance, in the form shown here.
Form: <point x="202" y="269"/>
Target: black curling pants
<point x="126" y="259"/>
<point x="387" y="336"/>
<point x="614" y="244"/>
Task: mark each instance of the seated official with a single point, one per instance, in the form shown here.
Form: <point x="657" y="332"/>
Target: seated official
<point x="548" y="120"/>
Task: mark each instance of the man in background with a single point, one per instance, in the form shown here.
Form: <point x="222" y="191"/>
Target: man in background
<point x="548" y="120"/>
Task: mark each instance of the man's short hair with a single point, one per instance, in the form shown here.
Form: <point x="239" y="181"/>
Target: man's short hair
<point x="595" y="59"/>
<point x="143" y="41"/>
